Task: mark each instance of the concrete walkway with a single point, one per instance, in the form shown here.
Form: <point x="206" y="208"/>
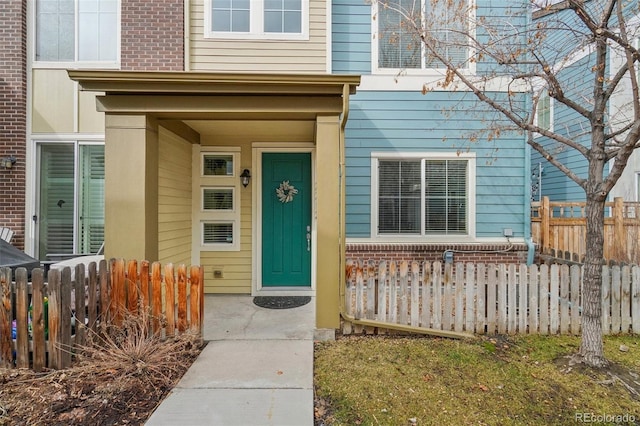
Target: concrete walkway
<point x="257" y="368"/>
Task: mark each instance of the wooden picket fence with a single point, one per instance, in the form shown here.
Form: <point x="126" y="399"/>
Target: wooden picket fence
<point x="41" y="321"/>
<point x="486" y="299"/>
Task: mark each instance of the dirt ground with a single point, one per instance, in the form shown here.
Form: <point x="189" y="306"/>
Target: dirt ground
<point x="119" y="381"/>
<point x="93" y="394"/>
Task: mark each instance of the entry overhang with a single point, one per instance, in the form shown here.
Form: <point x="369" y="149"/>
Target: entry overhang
<point x="199" y="83"/>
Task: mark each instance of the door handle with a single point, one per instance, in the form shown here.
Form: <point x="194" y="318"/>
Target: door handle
<point x="308" y="238"/>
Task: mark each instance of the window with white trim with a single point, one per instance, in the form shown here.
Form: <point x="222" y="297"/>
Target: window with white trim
<point x="257" y="19"/>
<point x="219" y="205"/>
<point x="397" y="26"/>
<point x="543" y="117"/>
<point x="422" y="195"/>
<point x="77" y="31"/>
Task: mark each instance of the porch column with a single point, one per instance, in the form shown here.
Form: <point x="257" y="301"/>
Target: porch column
<point x="131" y="187"/>
<point x="329" y="219"/>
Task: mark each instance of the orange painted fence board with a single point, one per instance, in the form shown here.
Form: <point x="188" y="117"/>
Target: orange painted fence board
<point x="37" y="318"/>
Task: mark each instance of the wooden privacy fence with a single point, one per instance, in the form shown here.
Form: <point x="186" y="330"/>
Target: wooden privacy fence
<point x="487" y="299"/>
<point x="561" y="227"/>
<point x="41" y="321"/>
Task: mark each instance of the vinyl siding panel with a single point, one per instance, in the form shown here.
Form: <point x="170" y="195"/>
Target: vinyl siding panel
<point x="351" y="37"/>
<point x="53" y="102"/>
<point x="437" y="122"/>
<point x="59" y="107"/>
<point x="174" y="199"/>
<point x="259" y="55"/>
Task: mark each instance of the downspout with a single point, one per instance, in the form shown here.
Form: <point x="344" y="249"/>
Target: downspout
<point x="343" y="187"/>
<point x="531" y="247"/>
<point x="186" y="35"/>
<point x="342" y="279"/>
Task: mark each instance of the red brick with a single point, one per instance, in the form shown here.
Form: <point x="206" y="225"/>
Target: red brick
<point x="13" y="114"/>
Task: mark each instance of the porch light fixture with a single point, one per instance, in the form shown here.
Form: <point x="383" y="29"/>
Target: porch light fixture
<point x="244" y="177"/>
<point x="7" y="162"/>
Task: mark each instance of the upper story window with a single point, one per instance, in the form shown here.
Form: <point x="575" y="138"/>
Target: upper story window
<point x="257" y="19"/>
<point x="397" y="43"/>
<point x="417" y="195"/>
<point x="544" y="112"/>
<point x="77" y="31"/>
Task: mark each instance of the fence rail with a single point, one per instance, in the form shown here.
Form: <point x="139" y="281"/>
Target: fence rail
<point x="561" y="227"/>
<point x="487" y="299"/>
<point x="42" y="320"/>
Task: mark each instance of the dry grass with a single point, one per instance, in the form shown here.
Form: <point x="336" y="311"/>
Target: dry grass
<point x="119" y="377"/>
<point x="520" y="381"/>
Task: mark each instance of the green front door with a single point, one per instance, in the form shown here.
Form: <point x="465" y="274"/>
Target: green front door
<point x="286" y="220"/>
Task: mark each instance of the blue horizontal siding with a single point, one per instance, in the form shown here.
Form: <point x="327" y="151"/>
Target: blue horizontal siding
<point x="352" y="31"/>
<point x="412" y="122"/>
<point x="351" y="36"/>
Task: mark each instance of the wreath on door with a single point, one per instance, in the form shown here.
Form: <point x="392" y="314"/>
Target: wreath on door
<point x="285" y="192"/>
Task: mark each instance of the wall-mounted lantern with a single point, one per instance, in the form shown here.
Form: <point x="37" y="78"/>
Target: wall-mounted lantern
<point x="245" y="177"/>
<point x="7" y="162"/>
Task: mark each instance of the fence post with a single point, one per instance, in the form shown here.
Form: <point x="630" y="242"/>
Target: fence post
<point x="5" y="318"/>
<point x="131" y="287"/>
<point x="53" y="278"/>
<point x="80" y="304"/>
<point x="65" y="318"/>
<point x="195" y="298"/>
<point x="156" y="296"/>
<point x="620" y="239"/>
<point x="22" y="319"/>
<point x="170" y="313"/>
<point x="545" y="216"/>
<point x="182" y="298"/>
<point x="38" y="321"/>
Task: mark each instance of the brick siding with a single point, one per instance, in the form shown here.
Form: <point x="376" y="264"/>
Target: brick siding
<point x="13" y="115"/>
<point x="152" y="35"/>
<point x="475" y="253"/>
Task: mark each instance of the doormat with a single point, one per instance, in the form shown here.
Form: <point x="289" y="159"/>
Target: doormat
<point x="281" y="302"/>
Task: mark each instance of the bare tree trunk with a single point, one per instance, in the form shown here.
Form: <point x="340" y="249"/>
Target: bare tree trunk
<point x="591" y="347"/>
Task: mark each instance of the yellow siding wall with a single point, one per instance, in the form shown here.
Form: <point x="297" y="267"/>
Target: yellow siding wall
<point x="260" y="55"/>
<point x="235" y="265"/>
<point x="174" y="199"/>
<point x="59" y="107"/>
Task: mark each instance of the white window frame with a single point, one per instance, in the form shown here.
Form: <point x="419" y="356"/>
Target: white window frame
<point x="422" y="236"/>
<point x="203" y="216"/>
<point x="439" y="72"/>
<point x="256" y="19"/>
<point x="75" y="64"/>
<point x="543" y="91"/>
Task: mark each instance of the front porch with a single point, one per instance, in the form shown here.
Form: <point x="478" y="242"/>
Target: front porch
<point x="169" y="199"/>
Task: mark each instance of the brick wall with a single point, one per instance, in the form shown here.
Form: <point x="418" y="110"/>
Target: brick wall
<point x="152" y="35"/>
<point x="13" y="115"/>
<point x="475" y="253"/>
